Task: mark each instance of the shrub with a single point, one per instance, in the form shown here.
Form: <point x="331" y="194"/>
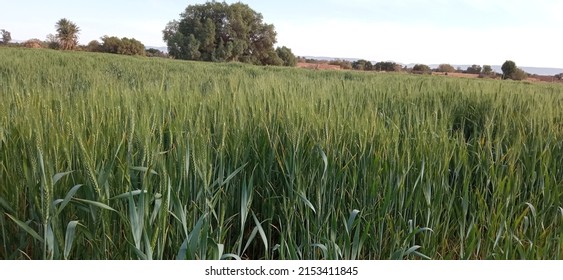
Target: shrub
<point x="124" y="46"/>
<point x="474" y="69"/>
<point x="519" y="75"/>
<point x="446" y="68"/>
<point x="421" y="69"/>
<point x="34" y="44"/>
<point x="152" y="52"/>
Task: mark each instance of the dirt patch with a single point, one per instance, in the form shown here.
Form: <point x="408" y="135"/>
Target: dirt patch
<point x="459" y="75"/>
<point x="318" y="66"/>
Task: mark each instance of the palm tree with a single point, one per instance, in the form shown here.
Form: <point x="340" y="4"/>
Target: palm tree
<point x="67" y="34"/>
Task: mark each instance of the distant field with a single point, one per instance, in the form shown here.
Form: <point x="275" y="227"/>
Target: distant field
<point x="113" y="157"/>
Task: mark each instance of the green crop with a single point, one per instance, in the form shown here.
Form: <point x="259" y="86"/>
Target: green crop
<point x="111" y="157"/>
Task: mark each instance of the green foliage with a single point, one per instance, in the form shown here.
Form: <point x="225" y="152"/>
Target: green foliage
<point x="362" y="65"/>
<point x="519" y="75"/>
<point x="67" y="34"/>
<point x="446" y="68"/>
<point x="123" y="46"/>
<point x="387" y="66"/>
<point x="511" y="71"/>
<point x="217" y="31"/>
<point x="487" y="70"/>
<point x="152" y="52"/>
<point x="474" y="69"/>
<point x="117" y="157"/>
<point x="508" y="69"/>
<point x="286" y="56"/>
<point x="94" y="46"/>
<point x="6" y="36"/>
<point x="422" y="69"/>
<point x="344" y="64"/>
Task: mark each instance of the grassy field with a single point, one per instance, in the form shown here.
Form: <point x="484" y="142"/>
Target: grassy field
<point x="113" y="157"/>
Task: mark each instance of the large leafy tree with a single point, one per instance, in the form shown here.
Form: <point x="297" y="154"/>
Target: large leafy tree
<point x="67" y="34"/>
<point x="508" y="69"/>
<point x="6" y="36"/>
<point x="217" y="31"/>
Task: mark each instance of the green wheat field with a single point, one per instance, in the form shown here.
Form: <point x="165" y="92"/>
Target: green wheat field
<point x="112" y="157"/>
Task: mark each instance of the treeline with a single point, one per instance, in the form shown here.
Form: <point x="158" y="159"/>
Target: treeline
<point x="66" y="38"/>
<point x="509" y="68"/>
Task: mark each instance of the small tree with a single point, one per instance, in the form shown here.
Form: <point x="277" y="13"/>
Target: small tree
<point x="387" y="66"/>
<point x="52" y="42"/>
<point x="487" y="70"/>
<point x="6" y="36"/>
<point x="422" y="69"/>
<point x="124" y="46"/>
<point x="474" y="69"/>
<point x="519" y="75"/>
<point x="508" y="69"/>
<point x="94" y="46"/>
<point x="287" y="56"/>
<point x="362" y="65"/>
<point x="152" y="52"/>
<point x="446" y="68"/>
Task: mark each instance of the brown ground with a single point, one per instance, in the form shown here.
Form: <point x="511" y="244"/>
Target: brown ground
<point x="318" y="66"/>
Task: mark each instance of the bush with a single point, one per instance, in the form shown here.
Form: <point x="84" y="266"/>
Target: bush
<point x="446" y="68"/>
<point x="34" y="44"/>
<point x="473" y="69"/>
<point x="362" y="65"/>
<point x="286" y="56"/>
<point x="387" y="66"/>
<point x="519" y="75"/>
<point x="152" y="52"/>
<point x="124" y="46"/>
<point x="421" y="69"/>
<point x="94" y="46"/>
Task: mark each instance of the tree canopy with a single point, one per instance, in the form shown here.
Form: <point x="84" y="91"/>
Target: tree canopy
<point x="6" y="36"/>
<point x="508" y="69"/>
<point x="67" y="34"/>
<point x="446" y="68"/>
<point x="474" y="69"/>
<point x="124" y="46"/>
<point x="217" y="31"/>
<point x="422" y="69"/>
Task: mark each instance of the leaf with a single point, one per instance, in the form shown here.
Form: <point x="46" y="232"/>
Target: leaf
<point x="4" y="204"/>
<point x="67" y="198"/>
<point x="411" y="250"/>
<point x="188" y="246"/>
<point x="325" y="161"/>
<point x="323" y="248"/>
<point x="261" y="231"/>
<point x="59" y="176"/>
<point x="250" y="239"/>
<point x="351" y="219"/>
<point x="307" y="202"/>
<point x="143" y="169"/>
<point x="69" y="237"/>
<point x="25" y="227"/>
<point x="234" y="256"/>
<point x="127" y="194"/>
<point x="532" y="209"/>
<point x="95" y="203"/>
<point x="50" y="238"/>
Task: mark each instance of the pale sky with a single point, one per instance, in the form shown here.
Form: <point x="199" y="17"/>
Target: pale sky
<point x="407" y="31"/>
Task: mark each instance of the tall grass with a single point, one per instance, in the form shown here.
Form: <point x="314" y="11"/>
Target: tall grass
<point x="111" y="157"/>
